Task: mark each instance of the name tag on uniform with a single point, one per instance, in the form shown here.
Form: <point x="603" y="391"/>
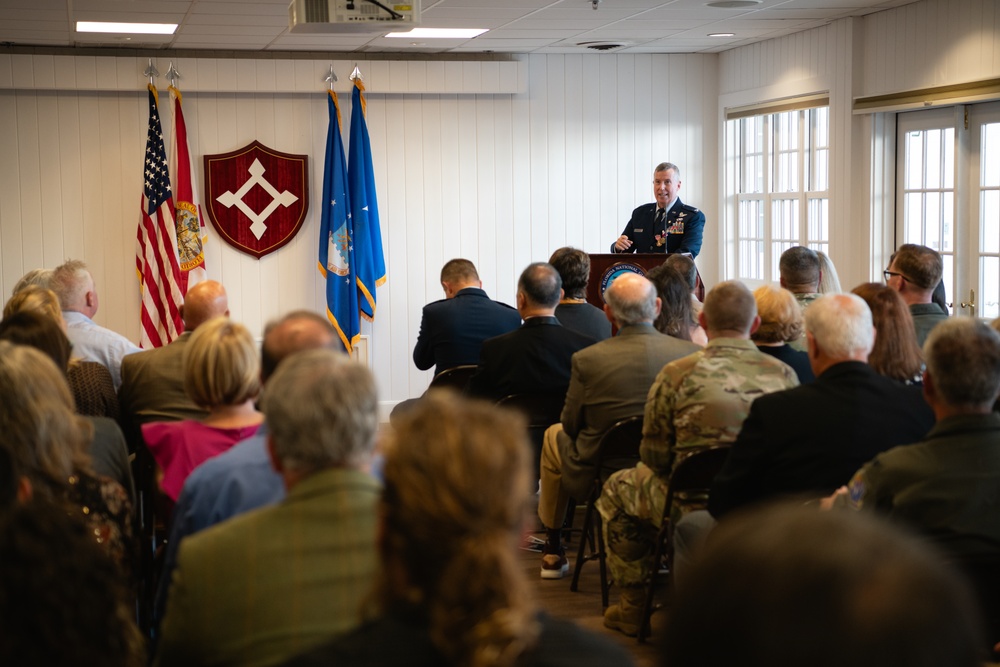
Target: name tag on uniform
<point x="637" y="231"/>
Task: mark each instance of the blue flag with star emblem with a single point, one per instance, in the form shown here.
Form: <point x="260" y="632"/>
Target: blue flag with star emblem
<point x="364" y="206"/>
<point x="336" y="237"/>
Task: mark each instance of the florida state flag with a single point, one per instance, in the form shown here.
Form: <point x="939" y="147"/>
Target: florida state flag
<point x="187" y="213"/>
<point x="257" y="197"/>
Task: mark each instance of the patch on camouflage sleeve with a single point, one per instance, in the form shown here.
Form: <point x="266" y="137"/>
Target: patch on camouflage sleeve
<point x="855" y="492"/>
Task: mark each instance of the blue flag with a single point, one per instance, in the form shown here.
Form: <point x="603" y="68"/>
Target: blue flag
<point x="364" y="206"/>
<point x="336" y="237"/>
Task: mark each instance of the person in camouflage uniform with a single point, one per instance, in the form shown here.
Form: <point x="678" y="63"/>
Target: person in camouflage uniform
<point x="801" y="273"/>
<point x="701" y="399"/>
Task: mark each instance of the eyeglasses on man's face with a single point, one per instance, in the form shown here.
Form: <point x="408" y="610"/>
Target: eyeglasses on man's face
<point x="887" y="274"/>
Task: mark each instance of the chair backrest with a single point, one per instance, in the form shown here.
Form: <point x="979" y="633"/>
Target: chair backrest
<point x="695" y="473"/>
<point x="456" y="377"/>
<point x="541" y="410"/>
<point x="619" y="446"/>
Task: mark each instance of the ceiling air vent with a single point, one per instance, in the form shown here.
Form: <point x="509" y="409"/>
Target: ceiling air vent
<point x="603" y="46"/>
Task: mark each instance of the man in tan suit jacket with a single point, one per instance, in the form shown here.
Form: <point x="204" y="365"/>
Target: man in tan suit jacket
<point x="153" y="380"/>
<point x="609" y="382"/>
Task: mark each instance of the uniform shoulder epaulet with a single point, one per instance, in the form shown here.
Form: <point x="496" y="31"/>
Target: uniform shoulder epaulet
<point x="688" y="207"/>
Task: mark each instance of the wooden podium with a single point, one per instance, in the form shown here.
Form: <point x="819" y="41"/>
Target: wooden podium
<point x="603" y="267"/>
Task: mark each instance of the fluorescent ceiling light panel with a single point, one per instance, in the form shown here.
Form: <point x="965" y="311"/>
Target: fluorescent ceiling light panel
<point x="440" y="33"/>
<point x="128" y="28"/>
<point x="721" y="34"/>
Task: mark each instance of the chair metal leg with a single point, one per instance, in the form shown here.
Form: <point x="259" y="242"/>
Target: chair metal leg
<point x="581" y="556"/>
<point x="663" y="536"/>
<point x="602" y="558"/>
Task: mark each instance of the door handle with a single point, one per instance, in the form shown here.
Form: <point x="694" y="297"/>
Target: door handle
<point x="971" y="303"/>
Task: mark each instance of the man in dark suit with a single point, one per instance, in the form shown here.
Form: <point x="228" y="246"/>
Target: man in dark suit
<point x="534" y="359"/>
<point x="452" y="330"/>
<point x="808" y="441"/>
<point x="669" y="225"/>
<point x="153" y="380"/>
<point x="609" y="382"/>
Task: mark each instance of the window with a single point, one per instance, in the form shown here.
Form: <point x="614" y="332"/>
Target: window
<point x="778" y="180"/>
<point x="948" y="198"/>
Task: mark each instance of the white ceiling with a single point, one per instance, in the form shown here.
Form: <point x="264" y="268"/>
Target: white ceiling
<point x="515" y="26"/>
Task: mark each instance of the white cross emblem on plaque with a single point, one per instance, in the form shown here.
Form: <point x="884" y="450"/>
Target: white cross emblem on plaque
<point x="228" y="199"/>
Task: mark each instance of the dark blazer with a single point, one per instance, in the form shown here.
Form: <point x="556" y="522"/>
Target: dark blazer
<point x="584" y="318"/>
<point x="534" y="359"/>
<point x="452" y="331"/>
<point x="684" y="226"/>
<point x="811" y="439"/>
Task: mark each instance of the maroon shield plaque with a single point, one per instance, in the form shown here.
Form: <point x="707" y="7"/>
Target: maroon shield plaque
<point x="257" y="197"/>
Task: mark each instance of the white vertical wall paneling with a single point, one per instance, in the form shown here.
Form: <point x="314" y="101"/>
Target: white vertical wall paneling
<point x="28" y="160"/>
<point x="11" y="255"/>
<point x="631" y="178"/>
<point x="482" y="107"/>
<point x="573" y="182"/>
<point x="400" y="235"/>
<point x="646" y="155"/>
<point x="522" y="148"/>
<point x="50" y="175"/>
<point x="70" y="159"/>
<point x="418" y="236"/>
<point x="587" y="181"/>
<point x="612" y="209"/>
<point x="505" y="213"/>
<point x="555" y="175"/>
<point x="540" y="158"/>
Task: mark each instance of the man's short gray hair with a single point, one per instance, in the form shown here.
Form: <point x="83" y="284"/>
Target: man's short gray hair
<point x="70" y="281"/>
<point x="632" y="299"/>
<point x="963" y="360"/>
<point x="322" y="411"/>
<point x="841" y="325"/>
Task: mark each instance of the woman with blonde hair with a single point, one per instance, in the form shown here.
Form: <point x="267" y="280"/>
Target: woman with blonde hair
<point x="48" y="443"/>
<point x="896" y="353"/>
<point x="221" y="375"/>
<point x="452" y="591"/>
<point x="93" y="389"/>
<point x="780" y="322"/>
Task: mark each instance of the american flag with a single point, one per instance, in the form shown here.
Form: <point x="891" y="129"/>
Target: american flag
<point x="156" y="243"/>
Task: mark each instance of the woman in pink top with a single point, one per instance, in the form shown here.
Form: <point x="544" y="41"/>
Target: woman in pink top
<point x="222" y="375"/>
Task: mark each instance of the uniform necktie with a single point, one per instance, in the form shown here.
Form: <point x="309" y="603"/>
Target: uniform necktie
<point x="658" y="220"/>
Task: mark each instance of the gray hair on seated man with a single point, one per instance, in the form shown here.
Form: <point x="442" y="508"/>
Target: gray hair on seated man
<point x="729" y="306"/>
<point x="322" y="411"/>
<point x="632" y="300"/>
<point x="789" y="586"/>
<point x="963" y="363"/>
<point x="841" y="326"/>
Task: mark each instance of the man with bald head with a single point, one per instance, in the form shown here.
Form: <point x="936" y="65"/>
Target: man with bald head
<point x="608" y="382"/>
<point x="242" y="478"/>
<point x="695" y="401"/>
<point x="73" y="284"/>
<point x="153" y="380"/>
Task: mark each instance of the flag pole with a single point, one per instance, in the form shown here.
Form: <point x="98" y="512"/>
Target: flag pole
<point x="151" y="72"/>
<point x="330" y="78"/>
<point x="172" y="74"/>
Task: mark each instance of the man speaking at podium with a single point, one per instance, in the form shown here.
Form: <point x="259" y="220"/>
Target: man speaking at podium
<point x="669" y="225"/>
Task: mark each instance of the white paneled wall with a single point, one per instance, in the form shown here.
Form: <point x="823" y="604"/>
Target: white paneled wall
<point x="499" y="162"/>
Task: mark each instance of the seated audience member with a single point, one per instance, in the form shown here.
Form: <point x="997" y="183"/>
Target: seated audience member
<point x="914" y="271"/>
<point x="48" y="445"/>
<point x="451" y="591"/>
<point x="267" y="585"/>
<point x="573" y="310"/>
<point x="35" y="277"/>
<point x="62" y="600"/>
<point x="609" y="382"/>
<point x="535" y="358"/>
<point x="700" y="399"/>
<point x="790" y="586"/>
<point x="676" y="316"/>
<point x="944" y="486"/>
<point x="800" y="273"/>
<point x="242" y="478"/>
<point x="895" y="354"/>
<point x="153" y="380"/>
<point x="106" y="449"/>
<point x="829" y="281"/>
<point x="222" y="375"/>
<point x="91" y="384"/>
<point x="810" y="440"/>
<point x="686" y="267"/>
<point x="780" y="322"/>
<point x="73" y="284"/>
<point x="452" y="330"/>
